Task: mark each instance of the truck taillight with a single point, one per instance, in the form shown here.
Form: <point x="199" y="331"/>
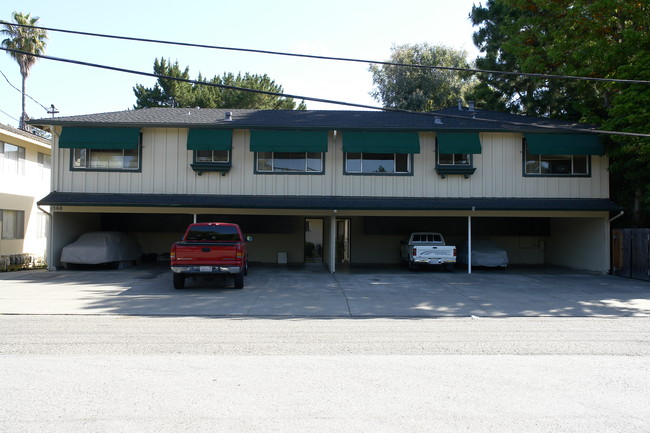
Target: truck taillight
<point x="415" y="252"/>
<point x="172" y="254"/>
<point x="238" y="253"/>
<point x="454" y="252"/>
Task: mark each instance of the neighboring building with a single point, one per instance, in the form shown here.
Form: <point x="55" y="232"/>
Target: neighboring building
<point x="360" y="179"/>
<point x="25" y="177"/>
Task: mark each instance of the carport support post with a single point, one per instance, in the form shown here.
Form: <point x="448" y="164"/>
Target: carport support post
<point x="469" y="244"/>
<point x="332" y="249"/>
<point x="194" y="218"/>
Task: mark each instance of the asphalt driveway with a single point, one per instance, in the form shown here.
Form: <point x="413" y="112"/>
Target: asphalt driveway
<point x="310" y="291"/>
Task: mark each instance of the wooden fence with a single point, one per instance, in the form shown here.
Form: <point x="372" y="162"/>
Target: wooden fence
<point x="631" y="253"/>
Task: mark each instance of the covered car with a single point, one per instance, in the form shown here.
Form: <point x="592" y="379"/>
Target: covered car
<point x="485" y="252"/>
<point x="95" y="248"/>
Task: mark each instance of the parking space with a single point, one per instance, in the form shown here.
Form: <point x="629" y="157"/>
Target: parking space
<point x="310" y="291"/>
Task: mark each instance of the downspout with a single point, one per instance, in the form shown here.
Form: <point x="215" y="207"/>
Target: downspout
<point x="620" y="214"/>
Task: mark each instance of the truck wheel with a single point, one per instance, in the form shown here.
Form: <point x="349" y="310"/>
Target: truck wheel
<point x="239" y="280"/>
<point x="179" y="281"/>
<point x="449" y="267"/>
<point x="412" y="265"/>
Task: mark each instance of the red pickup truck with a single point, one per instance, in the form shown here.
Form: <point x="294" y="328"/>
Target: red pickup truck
<point x="209" y="249"/>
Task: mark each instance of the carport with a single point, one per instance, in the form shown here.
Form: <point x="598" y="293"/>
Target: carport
<point x="563" y="232"/>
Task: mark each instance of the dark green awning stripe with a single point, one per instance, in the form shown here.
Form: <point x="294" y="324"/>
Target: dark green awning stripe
<point x="75" y="137"/>
<point x="564" y="144"/>
<point x="381" y="142"/>
<point x="458" y="142"/>
<point x="288" y="141"/>
<point x="209" y="139"/>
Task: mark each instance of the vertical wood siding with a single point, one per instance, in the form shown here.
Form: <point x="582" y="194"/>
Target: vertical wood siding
<point x="166" y="170"/>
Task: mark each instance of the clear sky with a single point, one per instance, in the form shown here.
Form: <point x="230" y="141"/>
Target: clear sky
<point x="365" y="29"/>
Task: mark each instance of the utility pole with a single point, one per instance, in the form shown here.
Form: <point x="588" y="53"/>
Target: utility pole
<point x="52" y="110"/>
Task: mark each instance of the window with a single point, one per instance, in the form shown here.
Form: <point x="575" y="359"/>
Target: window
<point x="377" y="163"/>
<point x="45" y="164"/>
<point x="211" y="150"/>
<point x="556" y="165"/>
<point x="426" y="238"/>
<point x="448" y="163"/>
<point x="45" y="160"/>
<point x="106" y="159"/>
<point x="208" y="156"/>
<point x="454" y="163"/>
<point x="13" y="224"/>
<point x="289" y="162"/>
<point x="14" y="158"/>
<point x="456" y="159"/>
<point x="213" y="233"/>
<point x="211" y="160"/>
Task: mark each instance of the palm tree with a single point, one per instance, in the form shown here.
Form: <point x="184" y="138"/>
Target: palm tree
<point x="25" y="39"/>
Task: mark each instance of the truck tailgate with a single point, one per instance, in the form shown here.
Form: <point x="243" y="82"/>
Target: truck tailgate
<point x="435" y="252"/>
<point x="206" y="253"/>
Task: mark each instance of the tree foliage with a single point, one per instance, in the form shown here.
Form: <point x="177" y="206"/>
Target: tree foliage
<point x="630" y="156"/>
<point x="168" y="92"/>
<point x="420" y="89"/>
<point x="26" y="39"/>
<point x="587" y="38"/>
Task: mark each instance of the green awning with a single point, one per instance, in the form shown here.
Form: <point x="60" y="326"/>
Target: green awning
<point x="564" y="144"/>
<point x="209" y="139"/>
<point x="458" y="142"/>
<point x="288" y="141"/>
<point x="76" y="137"/>
<point x="381" y="142"/>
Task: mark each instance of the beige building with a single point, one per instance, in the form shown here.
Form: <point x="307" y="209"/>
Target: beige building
<point x="24" y="179"/>
<point x="350" y="183"/>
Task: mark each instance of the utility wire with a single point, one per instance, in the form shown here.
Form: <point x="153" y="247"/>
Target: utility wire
<point x="342" y="59"/>
<point x="309" y="98"/>
<point x="9" y="115"/>
<point x="3" y="74"/>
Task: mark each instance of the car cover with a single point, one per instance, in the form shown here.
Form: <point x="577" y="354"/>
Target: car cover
<point x="101" y="247"/>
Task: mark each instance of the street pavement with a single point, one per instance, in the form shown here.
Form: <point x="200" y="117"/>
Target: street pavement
<point x="363" y="350"/>
<point x="210" y="374"/>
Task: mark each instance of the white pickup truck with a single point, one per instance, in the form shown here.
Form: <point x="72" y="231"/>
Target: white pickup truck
<point x="427" y="248"/>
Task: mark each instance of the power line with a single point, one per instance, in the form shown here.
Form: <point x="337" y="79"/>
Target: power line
<point x="9" y="115"/>
<point x="342" y="59"/>
<point x="309" y="98"/>
<point x="3" y="74"/>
